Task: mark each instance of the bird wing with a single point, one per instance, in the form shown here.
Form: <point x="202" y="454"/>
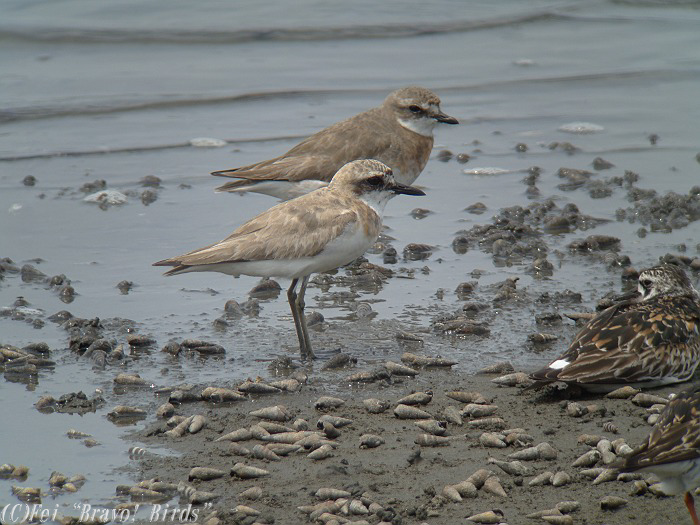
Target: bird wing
<point x="290" y="230"/>
<point x="675" y="436"/>
<point x="631" y="342"/>
<point x="364" y="136"/>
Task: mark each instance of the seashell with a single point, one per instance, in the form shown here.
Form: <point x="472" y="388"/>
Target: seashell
<point x="547" y="451"/>
<point x="639" y="488"/>
<point x="656" y="408"/>
<point x="339" y="361"/>
<point x="205" y="473"/>
<point x="244" y="471"/>
<point x="451" y="493"/>
<point x="629" y="476"/>
<point x="245" y="510"/>
<point x="283" y="449"/>
<point x="518" y="439"/>
<point x="424" y="361"/>
<point x="612" y="503"/>
<point x="259" y="432"/>
<point x="608" y="457"/>
<point x="165" y="410"/>
<point x="199" y="497"/>
<point x="541" y="479"/>
<point x="56" y="479"/>
<point x="325" y="507"/>
<point x="588" y="459"/>
<point x="656" y="490"/>
<point x="123" y="411"/>
<point x="180" y="396"/>
<point x="514" y="379"/>
<point x="495" y="423"/>
<point x="314" y="441"/>
<point x="27" y="494"/>
<point x="492" y="485"/>
<point x="561" y="478"/>
<point x="176" y="420"/>
<point x="252" y="493"/>
<point x="466" y="489"/>
<point x="69" y="487"/>
<point x="144" y="494"/>
<point x="604" y="445"/>
<point x="417" y="398"/>
<point x="429" y="440"/>
<point x="453" y="415"/>
<point x="239" y="450"/>
<point x="608" y="474"/>
<point x="475" y="410"/>
<point x="370" y="441"/>
<point x="541" y="513"/>
<point x="257" y="387"/>
<point x="652" y="419"/>
<point x="368" y="376"/>
<point x="221" y="395"/>
<point x="287" y="385"/>
<point x="646" y="400"/>
<point x="300" y="424"/>
<point x="624" y="450"/>
<point x="479" y="477"/>
<point x="358" y="508"/>
<point x="273" y="413"/>
<point x="432" y="426"/>
<point x="262" y="452"/>
<point x="274" y="428"/>
<point x="574" y="409"/>
<point x="330" y="493"/>
<point x="242" y="434"/>
<point x="624" y="392"/>
<point x="514" y="468"/>
<point x="72" y="434"/>
<point x="466" y="397"/>
<point x="611" y="427"/>
<point x="336" y="421"/>
<point x="591" y="473"/>
<point x="198" y="423"/>
<point x="503" y="367"/>
<point x="20" y="472"/>
<point x="130" y="380"/>
<point x="526" y="454"/>
<point x="487" y="517"/>
<point x="589" y="439"/>
<point x="375" y="406"/>
<point x="567" y="507"/>
<point x="410" y="412"/>
<point x="397" y="369"/>
<point x="563" y="519"/>
<point x="329" y="430"/>
<point x="492" y="440"/>
<point x="374" y="508"/>
<point x="327" y="402"/>
<point x="288" y="437"/>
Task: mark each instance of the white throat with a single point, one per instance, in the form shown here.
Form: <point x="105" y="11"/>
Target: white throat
<point x="377" y="200"/>
<point x="423" y="126"/>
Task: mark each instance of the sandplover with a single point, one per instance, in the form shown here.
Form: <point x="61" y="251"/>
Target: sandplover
<point x="316" y="232"/>
<point x="398" y="133"/>
<point x="651" y="338"/>
<point x="672" y="449"/>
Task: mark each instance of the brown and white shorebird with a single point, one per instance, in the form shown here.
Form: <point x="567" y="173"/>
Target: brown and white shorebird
<point x="398" y="133"/>
<point x="651" y="338"/>
<point x="316" y="232"/>
<point x="672" y="449"/>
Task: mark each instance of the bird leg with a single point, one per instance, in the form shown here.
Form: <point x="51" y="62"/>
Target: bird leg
<point x="302" y="318"/>
<point x="690" y="503"/>
<point x="296" y="304"/>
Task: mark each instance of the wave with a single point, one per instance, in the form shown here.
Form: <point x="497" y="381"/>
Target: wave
<point x="84" y="35"/>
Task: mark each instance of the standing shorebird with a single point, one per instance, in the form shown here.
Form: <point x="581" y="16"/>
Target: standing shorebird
<point x="672" y="449"/>
<point x="649" y="340"/>
<point x="398" y="133"/>
<point x="316" y="232"/>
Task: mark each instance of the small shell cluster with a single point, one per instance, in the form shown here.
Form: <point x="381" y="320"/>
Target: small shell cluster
<point x="482" y="480"/>
<point x="337" y="506"/>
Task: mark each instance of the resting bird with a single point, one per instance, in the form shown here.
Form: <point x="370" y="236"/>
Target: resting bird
<point x="316" y="232"/>
<point x="398" y="133"/>
<point x="649" y="340"/>
<point x="672" y="449"/>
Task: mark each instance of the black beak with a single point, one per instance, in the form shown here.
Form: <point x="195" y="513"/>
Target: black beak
<point x="405" y="190"/>
<point x="445" y="119"/>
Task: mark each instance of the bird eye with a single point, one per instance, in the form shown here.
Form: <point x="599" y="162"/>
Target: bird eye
<point x="375" y="181"/>
<point x="415" y="109"/>
<point x="646" y="283"/>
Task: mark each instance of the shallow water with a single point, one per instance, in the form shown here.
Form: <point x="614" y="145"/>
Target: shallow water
<point x="116" y="92"/>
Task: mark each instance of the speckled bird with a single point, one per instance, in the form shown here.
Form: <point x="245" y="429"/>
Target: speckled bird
<point x="648" y="339"/>
<point x="672" y="449"/>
